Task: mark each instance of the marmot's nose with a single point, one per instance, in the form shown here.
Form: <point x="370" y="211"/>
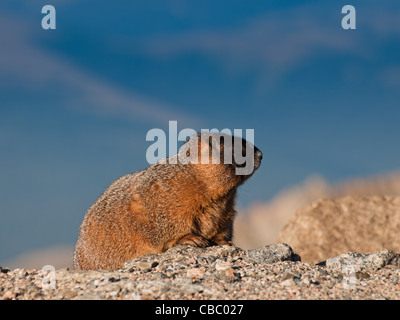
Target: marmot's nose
<point x="258" y="154"/>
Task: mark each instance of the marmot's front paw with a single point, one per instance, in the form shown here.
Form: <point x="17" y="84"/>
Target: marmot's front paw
<point x="221" y="240"/>
<point x="223" y="243"/>
<point x="194" y="240"/>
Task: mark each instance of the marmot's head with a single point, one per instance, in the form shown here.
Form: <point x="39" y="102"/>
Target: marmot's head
<point x="224" y="161"/>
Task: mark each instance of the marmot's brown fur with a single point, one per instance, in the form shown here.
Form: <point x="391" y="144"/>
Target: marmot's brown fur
<point x="151" y="210"/>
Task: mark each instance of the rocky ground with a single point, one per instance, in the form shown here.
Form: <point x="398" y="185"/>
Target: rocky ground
<point x="271" y="272"/>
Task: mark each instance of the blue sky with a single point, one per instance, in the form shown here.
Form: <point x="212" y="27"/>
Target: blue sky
<point x="76" y="102"/>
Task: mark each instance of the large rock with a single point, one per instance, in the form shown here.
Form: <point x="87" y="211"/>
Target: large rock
<point x="357" y="262"/>
<point x="328" y="228"/>
<point x="272" y="253"/>
<point x="180" y="254"/>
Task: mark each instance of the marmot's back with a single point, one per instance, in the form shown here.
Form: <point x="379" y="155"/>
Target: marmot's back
<point x="151" y="210"/>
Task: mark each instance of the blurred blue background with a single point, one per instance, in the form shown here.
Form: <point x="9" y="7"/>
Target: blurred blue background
<point x="76" y="102"/>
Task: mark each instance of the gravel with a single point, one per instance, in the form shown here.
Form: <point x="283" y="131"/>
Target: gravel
<point x="223" y="272"/>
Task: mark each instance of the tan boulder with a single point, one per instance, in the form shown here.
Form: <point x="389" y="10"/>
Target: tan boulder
<point x="328" y="228"/>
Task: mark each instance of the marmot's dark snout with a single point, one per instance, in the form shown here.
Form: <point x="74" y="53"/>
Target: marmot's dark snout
<point x="258" y="155"/>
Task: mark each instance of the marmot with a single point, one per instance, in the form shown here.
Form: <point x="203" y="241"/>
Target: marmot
<point x="151" y="210"/>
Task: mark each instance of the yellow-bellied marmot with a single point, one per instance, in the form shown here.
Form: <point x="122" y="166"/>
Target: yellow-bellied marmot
<point x="151" y="210"/>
